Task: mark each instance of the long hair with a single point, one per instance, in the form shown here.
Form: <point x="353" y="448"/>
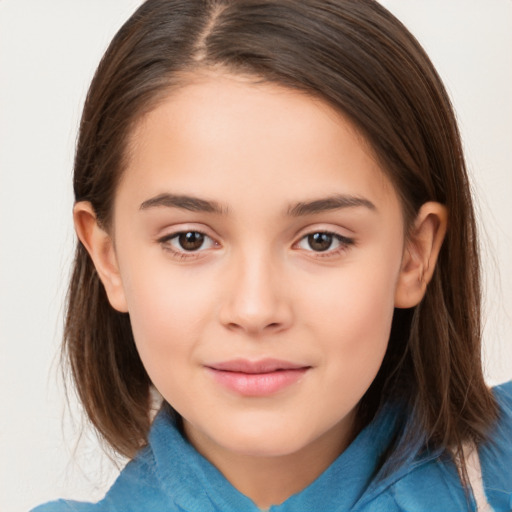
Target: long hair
<point x="360" y="59"/>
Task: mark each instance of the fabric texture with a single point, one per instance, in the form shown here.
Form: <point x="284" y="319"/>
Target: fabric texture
<point x="169" y="475"/>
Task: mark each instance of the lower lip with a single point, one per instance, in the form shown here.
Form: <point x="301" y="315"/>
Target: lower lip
<point x="258" y="384"/>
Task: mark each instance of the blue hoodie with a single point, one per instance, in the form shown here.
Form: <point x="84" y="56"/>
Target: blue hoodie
<point x="169" y="475"/>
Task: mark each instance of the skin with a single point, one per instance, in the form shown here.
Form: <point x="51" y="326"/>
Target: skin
<point x="257" y="287"/>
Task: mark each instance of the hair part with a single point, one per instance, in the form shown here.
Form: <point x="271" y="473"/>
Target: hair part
<point x="360" y="59"/>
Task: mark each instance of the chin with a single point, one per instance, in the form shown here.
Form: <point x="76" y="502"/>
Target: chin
<point x="269" y="438"/>
<point x="271" y="446"/>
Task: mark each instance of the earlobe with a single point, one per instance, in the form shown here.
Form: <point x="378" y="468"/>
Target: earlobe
<point x="420" y="254"/>
<point x="100" y="247"/>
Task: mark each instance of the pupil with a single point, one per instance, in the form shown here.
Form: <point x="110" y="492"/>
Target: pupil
<point x="320" y="241"/>
<point x="191" y="241"/>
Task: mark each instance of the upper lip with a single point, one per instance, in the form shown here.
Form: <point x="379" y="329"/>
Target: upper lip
<point x="260" y="366"/>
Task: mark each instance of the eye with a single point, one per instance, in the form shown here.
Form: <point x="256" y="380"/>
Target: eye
<point x="187" y="241"/>
<point x="323" y="241"/>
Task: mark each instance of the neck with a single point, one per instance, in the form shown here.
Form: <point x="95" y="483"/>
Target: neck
<point x="272" y="480"/>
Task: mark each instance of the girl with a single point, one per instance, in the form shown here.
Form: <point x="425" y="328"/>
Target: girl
<point x="276" y="235"/>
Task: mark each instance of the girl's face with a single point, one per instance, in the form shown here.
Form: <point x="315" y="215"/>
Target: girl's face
<point x="259" y="252"/>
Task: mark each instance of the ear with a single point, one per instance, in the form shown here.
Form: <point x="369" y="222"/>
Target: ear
<point x="420" y="254"/>
<point x="101" y="249"/>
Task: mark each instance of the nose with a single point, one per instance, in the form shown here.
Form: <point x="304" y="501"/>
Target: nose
<point x="255" y="300"/>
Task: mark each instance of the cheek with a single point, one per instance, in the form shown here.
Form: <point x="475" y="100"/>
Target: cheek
<point x="166" y="326"/>
<point x="359" y="298"/>
<point x="167" y="313"/>
<point x="352" y="318"/>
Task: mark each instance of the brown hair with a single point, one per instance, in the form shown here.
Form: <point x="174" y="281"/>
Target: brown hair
<point x="361" y="60"/>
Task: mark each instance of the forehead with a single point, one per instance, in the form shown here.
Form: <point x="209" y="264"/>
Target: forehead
<point x="223" y="135"/>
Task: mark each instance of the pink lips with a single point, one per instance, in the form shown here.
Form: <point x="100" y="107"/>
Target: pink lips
<point x="256" y="378"/>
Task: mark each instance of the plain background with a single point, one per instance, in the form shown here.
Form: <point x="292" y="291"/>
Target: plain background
<point x="48" y="52"/>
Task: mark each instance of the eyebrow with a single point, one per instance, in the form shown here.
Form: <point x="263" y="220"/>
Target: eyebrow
<point x="196" y="204"/>
<point x="193" y="204"/>
<point x="334" y="202"/>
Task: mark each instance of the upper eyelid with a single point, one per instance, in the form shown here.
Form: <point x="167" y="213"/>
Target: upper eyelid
<point x="171" y="232"/>
<point x="174" y="234"/>
<point x="171" y="236"/>
<point x="342" y="238"/>
<point x="299" y="235"/>
<point x="318" y="228"/>
<point x="345" y="243"/>
<point x="327" y="231"/>
<point x="180" y="253"/>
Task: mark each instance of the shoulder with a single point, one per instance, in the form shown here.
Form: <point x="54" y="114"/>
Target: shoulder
<point x="496" y="453"/>
<point x="162" y="475"/>
<point x="503" y="394"/>
<point x="426" y="485"/>
<point x="500" y="436"/>
<point x="433" y="484"/>
<point x="136" y="488"/>
<point x="63" y="506"/>
<point x="501" y="433"/>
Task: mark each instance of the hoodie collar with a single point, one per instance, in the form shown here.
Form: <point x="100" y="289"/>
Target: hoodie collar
<point x="194" y="484"/>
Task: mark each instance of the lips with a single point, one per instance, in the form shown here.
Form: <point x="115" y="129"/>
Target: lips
<point x="256" y="378"/>
<point x="262" y="366"/>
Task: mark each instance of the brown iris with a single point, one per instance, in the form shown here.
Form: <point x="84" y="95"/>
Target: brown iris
<point x="320" y="241"/>
<point x="191" y="240"/>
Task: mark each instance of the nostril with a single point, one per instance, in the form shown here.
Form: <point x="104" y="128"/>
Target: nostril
<point x="234" y="326"/>
<point x="255" y="314"/>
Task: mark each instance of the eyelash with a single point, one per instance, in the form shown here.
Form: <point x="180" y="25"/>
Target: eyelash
<point x="344" y="244"/>
<point x="181" y="254"/>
